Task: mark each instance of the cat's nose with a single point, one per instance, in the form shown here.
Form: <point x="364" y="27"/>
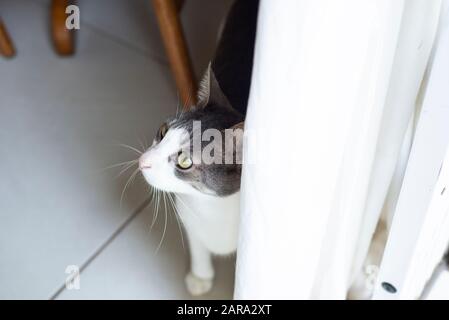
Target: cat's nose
<point x="144" y="162"/>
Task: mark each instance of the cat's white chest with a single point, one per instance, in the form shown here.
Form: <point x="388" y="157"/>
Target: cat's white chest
<point x="213" y="220"/>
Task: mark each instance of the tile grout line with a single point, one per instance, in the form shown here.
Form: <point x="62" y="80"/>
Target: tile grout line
<point x="103" y="246"/>
<point x="144" y="204"/>
<point x="128" y="45"/>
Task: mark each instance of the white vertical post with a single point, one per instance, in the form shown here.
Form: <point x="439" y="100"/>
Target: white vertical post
<point x="420" y="230"/>
<point x="419" y="236"/>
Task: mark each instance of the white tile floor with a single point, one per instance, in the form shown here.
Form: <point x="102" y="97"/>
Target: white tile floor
<point x="60" y="122"/>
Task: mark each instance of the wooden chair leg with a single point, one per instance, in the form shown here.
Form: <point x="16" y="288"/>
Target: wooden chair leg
<point x="62" y="37"/>
<point x="179" y="4"/>
<point x="176" y="48"/>
<point x="6" y="45"/>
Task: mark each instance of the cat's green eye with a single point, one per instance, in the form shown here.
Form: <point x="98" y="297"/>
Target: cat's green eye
<point x="184" y="160"/>
<point x="162" y="131"/>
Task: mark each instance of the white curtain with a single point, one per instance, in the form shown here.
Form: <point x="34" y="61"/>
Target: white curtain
<point x="334" y="88"/>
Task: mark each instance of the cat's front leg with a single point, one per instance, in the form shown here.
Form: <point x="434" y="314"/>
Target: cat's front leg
<point x="200" y="278"/>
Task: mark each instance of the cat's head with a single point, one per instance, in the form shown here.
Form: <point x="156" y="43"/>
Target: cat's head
<point x="180" y="161"/>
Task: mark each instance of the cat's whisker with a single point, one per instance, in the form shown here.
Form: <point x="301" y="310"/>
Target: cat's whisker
<point x="180" y="107"/>
<point x="189" y="99"/>
<point x="165" y="224"/>
<point x="130" y="147"/>
<point x="153" y="207"/>
<point x="156" y="209"/>
<point x="145" y="142"/>
<point x="178" y="104"/>
<point x="126" y="168"/>
<point x="185" y="205"/>
<point x="176" y="213"/>
<point x="142" y="141"/>
<point x="126" y="185"/>
<point x="142" y="145"/>
<point x="119" y="164"/>
<point x="152" y="196"/>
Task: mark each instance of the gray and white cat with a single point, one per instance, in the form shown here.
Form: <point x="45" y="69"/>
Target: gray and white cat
<point x="207" y="195"/>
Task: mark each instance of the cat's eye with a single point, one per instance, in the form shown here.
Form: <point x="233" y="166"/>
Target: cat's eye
<point x="163" y="131"/>
<point x="184" y="161"/>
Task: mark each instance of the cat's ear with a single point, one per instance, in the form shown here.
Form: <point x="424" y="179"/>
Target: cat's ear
<point x="234" y="136"/>
<point x="210" y="91"/>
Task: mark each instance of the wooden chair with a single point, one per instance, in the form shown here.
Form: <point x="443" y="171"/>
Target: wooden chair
<point x="62" y="37"/>
<point x="167" y="14"/>
<point x="6" y="45"/>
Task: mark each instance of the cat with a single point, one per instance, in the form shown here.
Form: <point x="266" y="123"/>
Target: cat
<point x="207" y="195"/>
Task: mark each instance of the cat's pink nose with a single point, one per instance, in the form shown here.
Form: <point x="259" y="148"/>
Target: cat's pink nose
<point x="144" y="162"/>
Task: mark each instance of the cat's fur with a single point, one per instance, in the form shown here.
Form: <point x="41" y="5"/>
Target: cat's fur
<point x="207" y="195"/>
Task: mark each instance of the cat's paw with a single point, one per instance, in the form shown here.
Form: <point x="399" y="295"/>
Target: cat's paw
<point x="197" y="286"/>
